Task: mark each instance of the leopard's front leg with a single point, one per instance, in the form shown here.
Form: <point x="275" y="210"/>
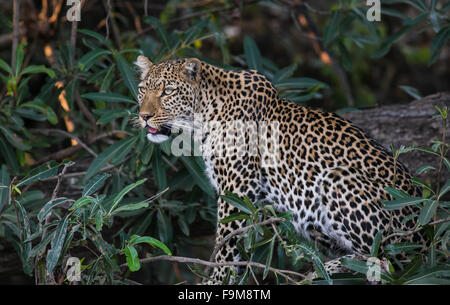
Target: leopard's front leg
<point x="242" y="179"/>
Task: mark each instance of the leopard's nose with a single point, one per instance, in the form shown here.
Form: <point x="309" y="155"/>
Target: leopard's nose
<point x="145" y="116"/>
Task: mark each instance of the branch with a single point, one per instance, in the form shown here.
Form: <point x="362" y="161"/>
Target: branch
<point x="86" y="112"/>
<point x="181" y="259"/>
<point x="58" y="182"/>
<point x="61" y="154"/>
<point x="416" y="229"/>
<point x="78" y="174"/>
<point x="66" y="134"/>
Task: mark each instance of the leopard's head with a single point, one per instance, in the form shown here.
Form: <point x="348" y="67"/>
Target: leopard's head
<point x="167" y="95"/>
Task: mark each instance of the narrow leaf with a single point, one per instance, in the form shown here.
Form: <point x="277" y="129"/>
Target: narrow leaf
<point x="57" y="244"/>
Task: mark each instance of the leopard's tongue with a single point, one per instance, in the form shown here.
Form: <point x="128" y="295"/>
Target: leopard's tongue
<point x="152" y="130"/>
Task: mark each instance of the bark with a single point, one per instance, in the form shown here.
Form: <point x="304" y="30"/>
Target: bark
<point x="407" y="124"/>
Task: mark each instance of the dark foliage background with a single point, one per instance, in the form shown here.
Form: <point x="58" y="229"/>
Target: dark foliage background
<point x="77" y="179"/>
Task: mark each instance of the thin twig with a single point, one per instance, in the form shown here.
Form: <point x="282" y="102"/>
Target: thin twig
<point x="415" y="230"/>
<point x="58" y="182"/>
<point x="86" y="112"/>
<point x="61" y="154"/>
<point x="66" y="134"/>
<point x="78" y="174"/>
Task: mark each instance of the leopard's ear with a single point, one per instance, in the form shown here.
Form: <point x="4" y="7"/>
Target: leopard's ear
<point x="191" y="69"/>
<point x="143" y="64"/>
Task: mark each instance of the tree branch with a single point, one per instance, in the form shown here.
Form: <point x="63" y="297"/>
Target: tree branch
<point x="181" y="259"/>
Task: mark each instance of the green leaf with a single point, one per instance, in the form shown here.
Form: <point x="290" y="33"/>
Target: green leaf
<point x="299" y="83"/>
<point x="135" y="239"/>
<point x="396" y="193"/>
<point x="108" y="97"/>
<point x="4" y="187"/>
<point x="159" y="171"/>
<point x="393" y="13"/>
<point x="38" y="69"/>
<point x="411" y="91"/>
<point x="249" y="204"/>
<point x="355" y="265"/>
<point x="44" y="109"/>
<point x="444" y="189"/>
<point x="110" y="115"/>
<point x="376" y="243"/>
<point x="331" y="30"/>
<point x="107" y="155"/>
<point x="269" y="257"/>
<point x="164" y="227"/>
<point x="160" y="30"/>
<point x="90" y="58"/>
<point x="44" y="171"/>
<point x="45" y="210"/>
<point x="42" y="244"/>
<point x="362" y="267"/>
<point x="198" y="174"/>
<point x="97" y="36"/>
<point x="400" y="203"/>
<point x="95" y="183"/>
<point x="438" y="42"/>
<point x="131" y="207"/>
<point x="123" y="192"/>
<point x="427" y="212"/>
<point x="81" y="202"/>
<point x="19" y="58"/>
<point x="234" y="216"/>
<point x="387" y="43"/>
<point x="284" y="73"/>
<point x="236" y="202"/>
<point x="252" y="55"/>
<point x="57" y="244"/>
<point x="147" y="152"/>
<point x="127" y="75"/>
<point x="434" y="275"/>
<point x="99" y="220"/>
<point x="25" y="234"/>
<point x="397" y="248"/>
<point x="411" y="268"/>
<point x="183" y="225"/>
<point x="132" y="258"/>
<point x="14" y="139"/>
<point x="194" y="31"/>
<point x="424" y="169"/>
<point x="5" y="66"/>
<point x="9" y="156"/>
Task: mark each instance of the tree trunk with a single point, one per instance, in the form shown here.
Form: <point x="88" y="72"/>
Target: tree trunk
<point x="408" y="124"/>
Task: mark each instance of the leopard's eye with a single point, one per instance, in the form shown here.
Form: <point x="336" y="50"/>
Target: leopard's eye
<point x="169" y="90"/>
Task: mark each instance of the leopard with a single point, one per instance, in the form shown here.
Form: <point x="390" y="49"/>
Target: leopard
<point x="329" y="174"/>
